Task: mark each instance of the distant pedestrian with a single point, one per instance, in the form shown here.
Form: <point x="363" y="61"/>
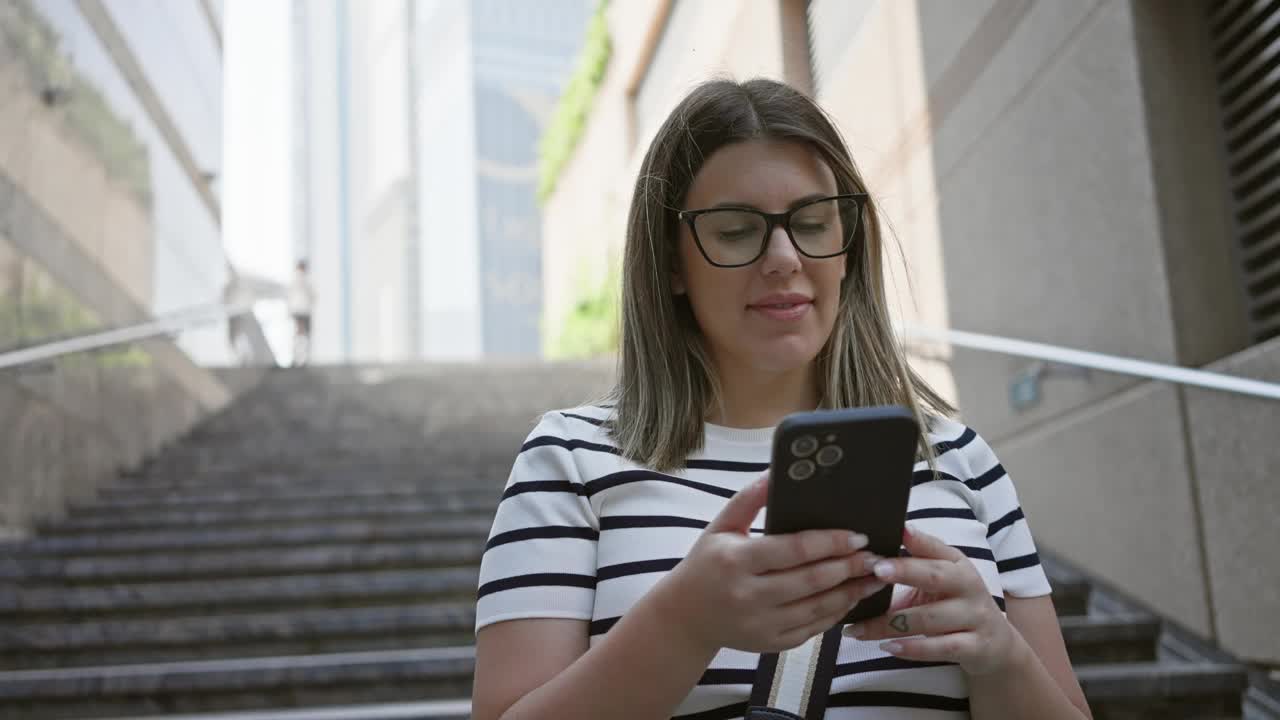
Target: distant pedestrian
<point x="302" y="300"/>
<point x="235" y="295"/>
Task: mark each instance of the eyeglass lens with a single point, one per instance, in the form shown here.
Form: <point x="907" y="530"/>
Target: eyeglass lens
<point x="735" y="237"/>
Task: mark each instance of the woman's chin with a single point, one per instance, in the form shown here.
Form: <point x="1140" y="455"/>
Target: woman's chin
<point x="786" y="354"/>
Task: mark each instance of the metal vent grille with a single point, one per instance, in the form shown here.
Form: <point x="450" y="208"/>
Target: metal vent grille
<point x="1246" y="37"/>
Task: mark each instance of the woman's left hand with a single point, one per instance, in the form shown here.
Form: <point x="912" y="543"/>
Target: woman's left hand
<point x="947" y="603"/>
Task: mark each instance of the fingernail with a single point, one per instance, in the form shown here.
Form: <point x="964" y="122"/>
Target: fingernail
<point x="857" y="630"/>
<point x="891" y="647"/>
<point x="870" y="563"/>
<point x="883" y="569"/>
<point x="857" y="541"/>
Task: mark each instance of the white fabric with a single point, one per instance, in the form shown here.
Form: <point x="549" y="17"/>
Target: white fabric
<point x="302" y="297"/>
<point x="583" y="533"/>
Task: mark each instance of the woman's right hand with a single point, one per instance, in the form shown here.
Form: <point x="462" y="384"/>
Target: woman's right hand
<point x="768" y="593"/>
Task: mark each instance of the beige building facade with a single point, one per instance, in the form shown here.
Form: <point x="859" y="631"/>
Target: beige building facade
<point x="109" y="217"/>
<point x="1098" y="175"/>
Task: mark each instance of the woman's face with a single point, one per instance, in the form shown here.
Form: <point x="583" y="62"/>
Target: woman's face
<point x="775" y="314"/>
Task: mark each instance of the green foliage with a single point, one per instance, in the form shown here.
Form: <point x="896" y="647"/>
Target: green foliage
<point x="129" y="356"/>
<point x="562" y="134"/>
<point x="86" y="112"/>
<point x="591" y="327"/>
<point x="10" y="324"/>
<point x="41" y="310"/>
<point x="49" y="311"/>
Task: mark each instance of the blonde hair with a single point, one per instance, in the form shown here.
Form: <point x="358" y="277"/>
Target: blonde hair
<point x="666" y="382"/>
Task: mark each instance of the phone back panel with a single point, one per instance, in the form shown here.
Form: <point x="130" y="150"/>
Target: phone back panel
<point x="845" y="469"/>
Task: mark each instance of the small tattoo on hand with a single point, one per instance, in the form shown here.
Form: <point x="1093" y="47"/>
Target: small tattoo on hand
<point x="899" y="623"/>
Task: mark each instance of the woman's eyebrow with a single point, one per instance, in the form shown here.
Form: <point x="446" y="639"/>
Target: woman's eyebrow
<point x="794" y="203"/>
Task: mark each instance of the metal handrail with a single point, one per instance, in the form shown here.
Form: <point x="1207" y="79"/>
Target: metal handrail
<point x="157" y="327"/>
<point x="1093" y="360"/>
<point x="208" y="314"/>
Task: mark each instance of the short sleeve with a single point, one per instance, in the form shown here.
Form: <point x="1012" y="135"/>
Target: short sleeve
<point x="540" y="560"/>
<point x="1008" y="533"/>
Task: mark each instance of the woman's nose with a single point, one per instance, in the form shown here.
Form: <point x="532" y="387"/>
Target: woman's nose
<point x="780" y="256"/>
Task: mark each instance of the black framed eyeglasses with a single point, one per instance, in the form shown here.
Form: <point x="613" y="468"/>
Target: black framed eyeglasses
<point x="738" y="236"/>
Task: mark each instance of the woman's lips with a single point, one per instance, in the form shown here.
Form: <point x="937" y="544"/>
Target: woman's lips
<point x="783" y="311"/>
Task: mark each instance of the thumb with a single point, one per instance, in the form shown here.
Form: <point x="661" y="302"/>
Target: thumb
<point x="743" y="507"/>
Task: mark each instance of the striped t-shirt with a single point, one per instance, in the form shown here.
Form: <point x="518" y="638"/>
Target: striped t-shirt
<point x="583" y="533"/>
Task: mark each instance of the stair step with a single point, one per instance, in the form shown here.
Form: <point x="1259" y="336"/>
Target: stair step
<point x="1071" y="590"/>
<point x="244" y="562"/>
<point x="192" y="539"/>
<point x="282" y="632"/>
<point x="1089" y="640"/>
<point x="254" y="476"/>
<point x="431" y="710"/>
<point x="1151" y="691"/>
<point x="293" y="512"/>
<point x="238" y="684"/>
<point x="1070" y="598"/>
<point x="1126" y="638"/>
<point x="151" y="600"/>
<point x="114" y="498"/>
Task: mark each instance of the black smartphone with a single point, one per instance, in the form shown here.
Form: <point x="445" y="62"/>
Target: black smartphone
<point x="847" y="470"/>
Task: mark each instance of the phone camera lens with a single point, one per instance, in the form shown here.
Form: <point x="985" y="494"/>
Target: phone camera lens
<point x="804" y="446"/>
<point x="801" y="470"/>
<point x="830" y="455"/>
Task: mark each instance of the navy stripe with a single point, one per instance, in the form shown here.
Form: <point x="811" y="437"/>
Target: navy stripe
<point x="538" y="533"/>
<point x="544" y="486"/>
<point x="622" y="522"/>
<point x="977" y="553"/>
<point x="1018" y="563"/>
<point x="886" y="698"/>
<point x="536" y="580"/>
<point x="987" y="477"/>
<point x="618" y="522"/>
<point x="574" y="444"/>
<point x="612" y="480"/>
<point x="1010" y="518"/>
<point x="999" y="602"/>
<point x="725" y="712"/>
<point x="881" y="664"/>
<point x="584" y="418"/>
<point x="728" y="465"/>
<point x="961" y="513"/>
<point x="965" y="438"/>
<point x="920" y="477"/>
<point x="601" y="626"/>
<point x="728" y="676"/>
<point x="853" y="698"/>
<point x="639" y="567"/>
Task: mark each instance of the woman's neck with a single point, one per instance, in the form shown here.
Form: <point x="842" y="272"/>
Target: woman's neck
<point x="752" y="398"/>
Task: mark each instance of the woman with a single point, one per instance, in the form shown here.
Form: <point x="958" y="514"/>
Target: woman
<point x="626" y="575"/>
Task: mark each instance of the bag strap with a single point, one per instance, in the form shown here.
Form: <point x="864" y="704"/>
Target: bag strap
<point x="794" y="684"/>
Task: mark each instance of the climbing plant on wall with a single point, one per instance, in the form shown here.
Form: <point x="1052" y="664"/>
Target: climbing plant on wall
<point x="590" y="328"/>
<point x="570" y="118"/>
<point x="28" y="38"/>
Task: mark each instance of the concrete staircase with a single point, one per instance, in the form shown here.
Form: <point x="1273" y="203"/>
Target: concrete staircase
<point x="312" y="553"/>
